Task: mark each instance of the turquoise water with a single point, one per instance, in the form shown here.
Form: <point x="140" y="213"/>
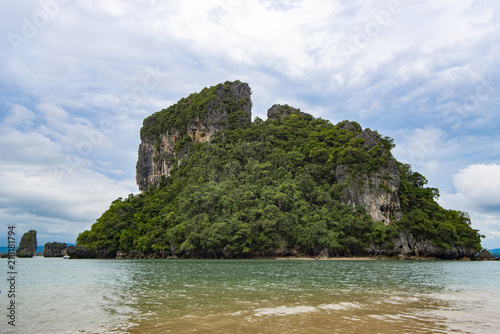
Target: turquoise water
<point x="252" y="296"/>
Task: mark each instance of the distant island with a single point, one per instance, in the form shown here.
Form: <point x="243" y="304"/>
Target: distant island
<point x="495" y="252"/>
<point x="216" y="184"/>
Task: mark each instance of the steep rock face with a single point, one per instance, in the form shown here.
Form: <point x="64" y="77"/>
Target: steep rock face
<point x="79" y="252"/>
<point x="407" y="245"/>
<point x="163" y="147"/>
<point x="54" y="249"/>
<point x="27" y="245"/>
<point x="377" y="191"/>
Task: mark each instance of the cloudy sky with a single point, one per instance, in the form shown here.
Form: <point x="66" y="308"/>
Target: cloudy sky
<point x="78" y="77"/>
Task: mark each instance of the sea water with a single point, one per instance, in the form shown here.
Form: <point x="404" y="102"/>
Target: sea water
<point x="53" y="295"/>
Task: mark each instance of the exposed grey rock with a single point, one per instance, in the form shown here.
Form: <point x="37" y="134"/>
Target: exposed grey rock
<point x="104" y="254"/>
<point x="278" y="111"/>
<point x="350" y="126"/>
<point x="54" y="249"/>
<point x="156" y="159"/>
<point x="377" y="192"/>
<point x="370" y="137"/>
<point x="27" y="245"/>
<point x="79" y="252"/>
<point x="324" y="254"/>
<point x="485" y="255"/>
<point x="406" y="245"/>
<point x="120" y="255"/>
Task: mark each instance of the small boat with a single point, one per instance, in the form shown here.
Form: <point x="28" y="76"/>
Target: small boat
<point x="66" y="257"/>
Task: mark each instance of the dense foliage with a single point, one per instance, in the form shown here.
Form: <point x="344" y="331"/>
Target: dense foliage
<point x="425" y="219"/>
<point x="273" y="185"/>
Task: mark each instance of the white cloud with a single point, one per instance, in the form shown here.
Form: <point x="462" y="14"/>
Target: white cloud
<point x="478" y="192"/>
<point x="422" y="147"/>
<point x="46" y="184"/>
<point x="20" y="116"/>
<point x="71" y="194"/>
<point x="57" y="198"/>
<point x="489" y="226"/>
<point x="480" y="184"/>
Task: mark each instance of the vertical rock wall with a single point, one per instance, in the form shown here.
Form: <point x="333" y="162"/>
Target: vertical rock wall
<point x="27" y="245"/>
<point x="377" y="191"/>
<point x="159" y="154"/>
<point x="54" y="249"/>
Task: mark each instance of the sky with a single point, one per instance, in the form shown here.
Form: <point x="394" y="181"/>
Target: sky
<point x="77" y="78"/>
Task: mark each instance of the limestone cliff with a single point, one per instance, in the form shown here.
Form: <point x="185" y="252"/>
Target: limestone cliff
<point x="377" y="191"/>
<point x="166" y="135"/>
<point x="27" y="245"/>
<point x="54" y="249"/>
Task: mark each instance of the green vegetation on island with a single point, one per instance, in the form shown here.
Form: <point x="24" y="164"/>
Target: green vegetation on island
<point x="272" y="187"/>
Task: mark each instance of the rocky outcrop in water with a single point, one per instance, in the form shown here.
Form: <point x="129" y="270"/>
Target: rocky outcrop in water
<point x="79" y="252"/>
<point x="245" y="178"/>
<point x="27" y="245"/>
<point x="485" y="255"/>
<point x="406" y="245"/>
<point x="54" y="249"/>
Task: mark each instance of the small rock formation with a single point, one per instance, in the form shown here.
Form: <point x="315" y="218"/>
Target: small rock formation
<point x="27" y="245"/>
<point x="54" y="249"/>
<point x="278" y="111"/>
<point x="324" y="254"/>
<point x="120" y="255"/>
<point x="485" y="255"/>
<point x="79" y="252"/>
<point x="160" y="152"/>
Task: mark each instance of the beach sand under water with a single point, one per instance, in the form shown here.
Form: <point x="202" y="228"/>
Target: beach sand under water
<point x="255" y="296"/>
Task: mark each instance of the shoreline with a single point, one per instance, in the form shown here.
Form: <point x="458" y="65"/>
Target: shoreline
<point x="363" y="258"/>
<point x="300" y="257"/>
